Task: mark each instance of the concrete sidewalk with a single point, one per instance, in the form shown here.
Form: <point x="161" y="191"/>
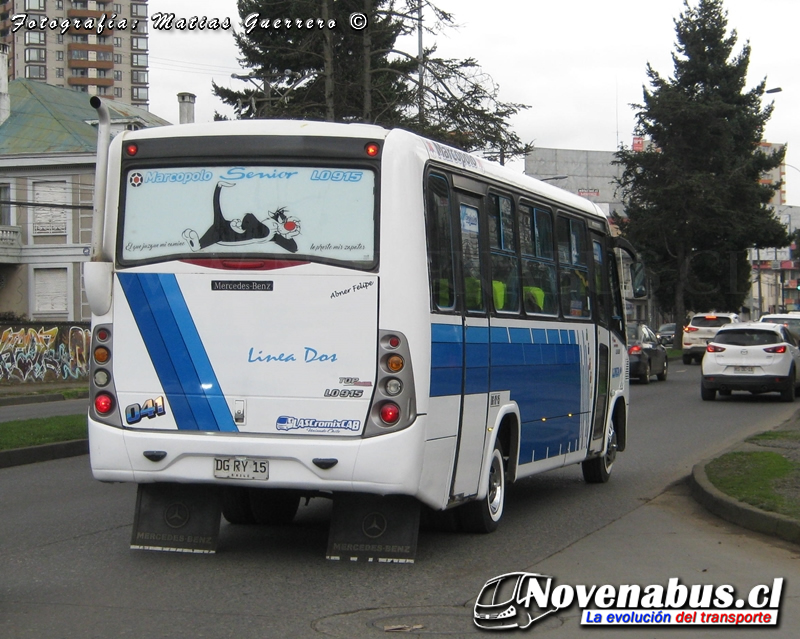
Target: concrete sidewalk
<point x="703" y="491"/>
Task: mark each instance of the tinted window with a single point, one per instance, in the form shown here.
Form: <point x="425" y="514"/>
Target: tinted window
<point x="574" y="275"/>
<point x="502" y="242"/>
<point x="440" y="243"/>
<point x="748" y="337"/>
<point x="539" y="292"/>
<point x="471" y="258"/>
<point x="711" y="321"/>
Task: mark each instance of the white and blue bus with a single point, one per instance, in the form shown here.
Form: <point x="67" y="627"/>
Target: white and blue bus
<point x="285" y="309"/>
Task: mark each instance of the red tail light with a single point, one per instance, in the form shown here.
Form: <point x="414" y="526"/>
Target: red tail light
<point x="634" y="350"/>
<point x="713" y="348"/>
<point x="775" y="349"/>
<point x="689" y="329"/>
<point x="390" y="413"/>
<point x="103" y="403"/>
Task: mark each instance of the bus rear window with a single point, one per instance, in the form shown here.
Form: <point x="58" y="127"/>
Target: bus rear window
<point x="317" y="214"/>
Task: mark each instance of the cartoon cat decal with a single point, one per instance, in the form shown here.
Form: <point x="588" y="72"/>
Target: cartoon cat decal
<point x="277" y="227"/>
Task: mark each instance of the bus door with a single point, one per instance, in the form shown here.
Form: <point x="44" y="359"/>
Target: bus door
<point x="605" y="354"/>
<point x="475" y="354"/>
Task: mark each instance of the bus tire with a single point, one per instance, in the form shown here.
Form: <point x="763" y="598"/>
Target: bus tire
<point x="273" y="507"/>
<point x="597" y="470"/>
<point x="236" y="506"/>
<point x="484" y="515"/>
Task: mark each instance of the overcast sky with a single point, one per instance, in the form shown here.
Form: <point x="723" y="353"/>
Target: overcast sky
<point x="579" y="64"/>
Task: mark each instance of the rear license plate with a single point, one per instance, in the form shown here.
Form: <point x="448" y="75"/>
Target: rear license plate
<point x="240" y="468"/>
<point x="742" y="369"/>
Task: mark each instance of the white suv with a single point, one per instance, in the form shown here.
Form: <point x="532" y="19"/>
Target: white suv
<point x="751" y="356"/>
<point x="789" y="320"/>
<point x="701" y="329"/>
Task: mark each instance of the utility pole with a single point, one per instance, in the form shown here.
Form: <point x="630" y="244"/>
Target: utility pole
<point x="421" y="66"/>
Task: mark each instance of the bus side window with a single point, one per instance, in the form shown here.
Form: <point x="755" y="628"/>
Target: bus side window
<point x="502" y="245"/>
<point x="601" y="283"/>
<point x="471" y="257"/>
<point x="440" y="244"/>
<point x="573" y="271"/>
<point x="539" y="292"/>
<point x="617" y="307"/>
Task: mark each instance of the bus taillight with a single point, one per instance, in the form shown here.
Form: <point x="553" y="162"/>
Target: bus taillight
<point x="104" y="403"/>
<point x="390" y="413"/>
<point x="393" y="406"/>
<point x="393" y="387"/>
<point x="395" y="363"/>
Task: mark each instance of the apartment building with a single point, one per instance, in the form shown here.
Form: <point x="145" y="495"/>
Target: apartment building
<point x="93" y="46"/>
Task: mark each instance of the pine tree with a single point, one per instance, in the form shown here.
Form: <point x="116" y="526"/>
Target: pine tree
<point x="343" y="74"/>
<point x="694" y="201"/>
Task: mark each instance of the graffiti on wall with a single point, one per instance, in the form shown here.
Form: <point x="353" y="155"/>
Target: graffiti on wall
<point x="59" y="353"/>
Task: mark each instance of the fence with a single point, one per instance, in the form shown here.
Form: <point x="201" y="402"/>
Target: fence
<point x="50" y="352"/>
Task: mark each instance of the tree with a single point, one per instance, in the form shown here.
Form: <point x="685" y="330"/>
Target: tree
<point x="694" y="201"/>
<point x="346" y="74"/>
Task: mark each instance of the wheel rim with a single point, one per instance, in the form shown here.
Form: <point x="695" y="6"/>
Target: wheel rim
<point x="611" y="452"/>
<point x="494" y="498"/>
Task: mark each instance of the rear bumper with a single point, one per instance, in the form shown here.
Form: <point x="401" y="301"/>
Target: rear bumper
<point x="638" y="365"/>
<point x="697" y="349"/>
<point x="370" y="465"/>
<point x="765" y="383"/>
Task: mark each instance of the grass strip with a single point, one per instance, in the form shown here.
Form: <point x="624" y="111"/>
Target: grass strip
<point x="46" y="430"/>
<point x="772" y="435"/>
<point x="756" y="478"/>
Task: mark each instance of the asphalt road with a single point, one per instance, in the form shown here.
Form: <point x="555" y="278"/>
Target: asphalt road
<point x="67" y="570"/>
<point x="43" y="409"/>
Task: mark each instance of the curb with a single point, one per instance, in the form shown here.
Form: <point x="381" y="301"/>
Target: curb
<point x="14" y="400"/>
<point x="739" y="513"/>
<point x="44" y="452"/>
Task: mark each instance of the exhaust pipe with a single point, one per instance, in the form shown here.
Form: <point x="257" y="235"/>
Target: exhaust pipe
<point x="100" y="175"/>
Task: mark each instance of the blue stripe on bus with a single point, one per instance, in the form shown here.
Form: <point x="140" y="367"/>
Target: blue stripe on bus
<point x="183" y="368"/>
<point x="539" y="367"/>
<point x="209" y="384"/>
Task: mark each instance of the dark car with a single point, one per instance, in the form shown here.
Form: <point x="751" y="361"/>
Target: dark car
<point x="666" y="334"/>
<point x="646" y="354"/>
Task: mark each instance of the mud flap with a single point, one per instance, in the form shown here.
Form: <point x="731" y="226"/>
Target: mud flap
<point x="374" y="528"/>
<point x="176" y="518"/>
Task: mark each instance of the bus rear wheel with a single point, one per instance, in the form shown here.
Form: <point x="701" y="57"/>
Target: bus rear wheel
<point x="598" y="469"/>
<point x="484" y="515"/>
<point x="236" y="506"/>
<point x="273" y="507"/>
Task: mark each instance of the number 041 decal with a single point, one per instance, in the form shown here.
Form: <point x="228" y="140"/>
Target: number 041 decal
<point x="151" y="408"/>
